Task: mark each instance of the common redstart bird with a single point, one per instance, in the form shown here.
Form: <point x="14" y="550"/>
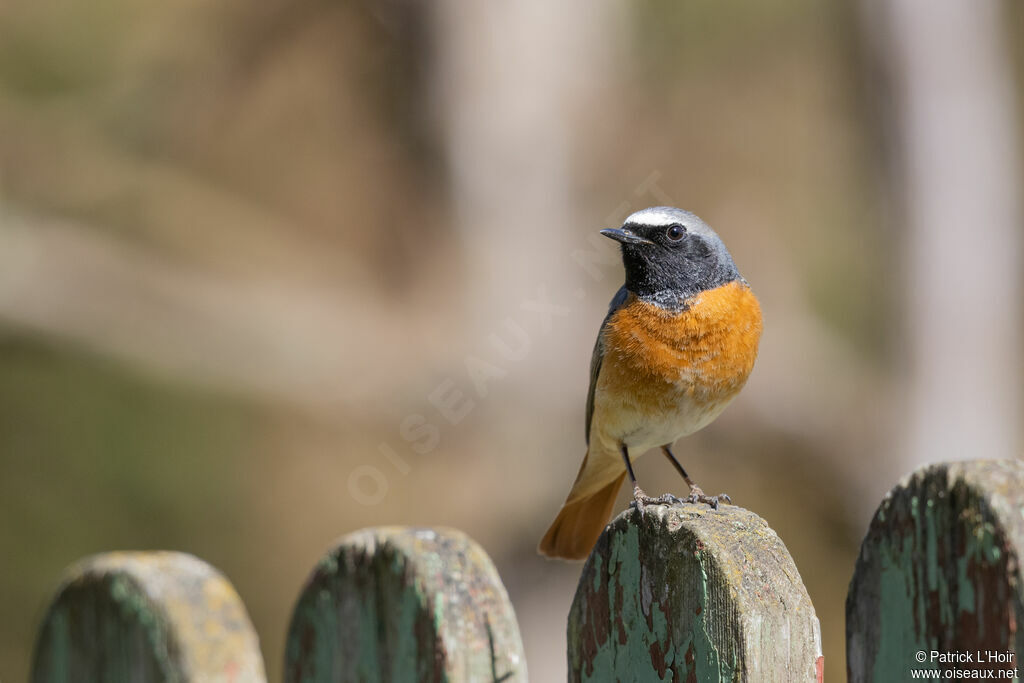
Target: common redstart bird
<point x="677" y="345"/>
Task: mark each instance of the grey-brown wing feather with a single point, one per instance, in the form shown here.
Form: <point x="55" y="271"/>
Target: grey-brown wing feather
<point x="595" y="360"/>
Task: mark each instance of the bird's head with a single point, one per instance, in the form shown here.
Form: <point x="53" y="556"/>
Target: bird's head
<point x="671" y="255"/>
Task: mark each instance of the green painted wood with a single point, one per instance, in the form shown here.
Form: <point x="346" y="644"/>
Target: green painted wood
<point x="687" y="593"/>
<point x="399" y="604"/>
<point x="939" y="570"/>
<point x="146" y="617"/>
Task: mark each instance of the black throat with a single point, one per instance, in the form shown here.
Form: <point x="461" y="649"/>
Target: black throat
<point x="670" y="280"/>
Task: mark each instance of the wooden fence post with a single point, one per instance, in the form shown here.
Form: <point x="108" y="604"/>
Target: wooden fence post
<point x="400" y="604"/>
<point x="939" y="572"/>
<point x="687" y="593"/>
<point x="146" y="617"/>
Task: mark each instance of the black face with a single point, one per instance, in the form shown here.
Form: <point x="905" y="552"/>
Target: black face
<point x="671" y="256"/>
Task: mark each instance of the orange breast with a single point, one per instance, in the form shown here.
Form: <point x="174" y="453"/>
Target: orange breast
<point x="706" y="352"/>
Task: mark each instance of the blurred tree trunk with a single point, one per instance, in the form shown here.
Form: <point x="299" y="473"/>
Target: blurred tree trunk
<point x="956" y="178"/>
<point x="511" y="80"/>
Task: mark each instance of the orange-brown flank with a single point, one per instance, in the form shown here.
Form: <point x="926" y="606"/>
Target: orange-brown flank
<point x="706" y="352"/>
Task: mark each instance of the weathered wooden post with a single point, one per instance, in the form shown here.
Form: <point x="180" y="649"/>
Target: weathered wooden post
<point x="400" y="604"/>
<point x="938" y="579"/>
<point x="146" y="617"/>
<point x="687" y="593"/>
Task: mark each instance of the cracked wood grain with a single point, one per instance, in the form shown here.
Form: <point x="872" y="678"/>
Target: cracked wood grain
<point x="404" y="604"/>
<point x="687" y="593"/>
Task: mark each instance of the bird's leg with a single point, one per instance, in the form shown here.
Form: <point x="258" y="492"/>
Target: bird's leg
<point x="640" y="499"/>
<point x="696" y="494"/>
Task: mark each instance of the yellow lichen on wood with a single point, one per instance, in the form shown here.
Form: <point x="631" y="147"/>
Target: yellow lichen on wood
<point x="689" y="593"/>
<point x="146" y="616"/>
<point x="404" y="604"/>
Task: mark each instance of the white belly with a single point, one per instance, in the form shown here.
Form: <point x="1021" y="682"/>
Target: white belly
<point x="642" y="429"/>
<point x="666" y="429"/>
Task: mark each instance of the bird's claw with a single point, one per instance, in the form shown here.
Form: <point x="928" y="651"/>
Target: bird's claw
<point x="665" y="499"/>
<point x="640" y="499"/>
<point x="698" y="496"/>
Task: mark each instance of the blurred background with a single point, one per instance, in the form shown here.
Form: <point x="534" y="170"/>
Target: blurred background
<point x="273" y="272"/>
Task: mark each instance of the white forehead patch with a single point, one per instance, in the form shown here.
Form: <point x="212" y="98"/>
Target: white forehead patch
<point x="658" y="216"/>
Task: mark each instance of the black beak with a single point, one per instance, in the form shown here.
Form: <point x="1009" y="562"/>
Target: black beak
<point x="625" y="236"/>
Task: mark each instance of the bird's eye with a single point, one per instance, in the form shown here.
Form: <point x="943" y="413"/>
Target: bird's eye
<point x="675" y="232"/>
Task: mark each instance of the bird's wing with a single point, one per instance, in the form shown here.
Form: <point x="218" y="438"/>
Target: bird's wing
<point x="595" y="360"/>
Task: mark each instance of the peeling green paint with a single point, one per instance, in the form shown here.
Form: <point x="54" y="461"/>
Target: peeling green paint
<point x="688" y="594"/>
<point x="401" y="604"/>
<point x="146" y="617"/>
<point x="708" y="665"/>
<point x="942" y="575"/>
<point x="898" y="636"/>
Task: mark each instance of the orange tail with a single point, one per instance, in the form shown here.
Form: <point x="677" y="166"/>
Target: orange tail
<point x="575" y="531"/>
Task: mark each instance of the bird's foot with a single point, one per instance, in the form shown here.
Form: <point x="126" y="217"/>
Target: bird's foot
<point x="640" y="499"/>
<point x="698" y="496"/>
